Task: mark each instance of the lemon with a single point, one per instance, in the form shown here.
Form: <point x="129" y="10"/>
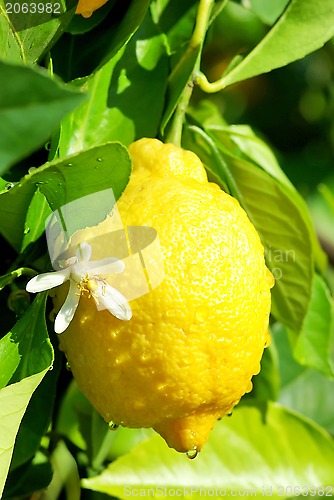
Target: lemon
<point x="194" y="342"/>
<point x="87" y="7"/>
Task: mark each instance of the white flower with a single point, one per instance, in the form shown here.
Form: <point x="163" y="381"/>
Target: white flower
<point x="85" y="278"/>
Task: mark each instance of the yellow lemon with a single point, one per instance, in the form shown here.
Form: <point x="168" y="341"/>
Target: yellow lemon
<point x="195" y="340"/>
<point x="87" y="7"/>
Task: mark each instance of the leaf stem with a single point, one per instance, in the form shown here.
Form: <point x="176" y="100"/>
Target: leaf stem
<point x="197" y="39"/>
<point x="175" y="132"/>
<point x="209" y="87"/>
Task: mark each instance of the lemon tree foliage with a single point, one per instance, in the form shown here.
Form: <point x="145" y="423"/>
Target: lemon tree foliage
<point x="75" y="93"/>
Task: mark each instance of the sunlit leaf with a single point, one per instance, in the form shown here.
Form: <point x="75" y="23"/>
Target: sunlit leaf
<point x="90" y="51"/>
<point x="303" y="28"/>
<point x="259" y="448"/>
<point x="95" y="170"/>
<point x="26" y="355"/>
<point x="38" y="211"/>
<point x="114" y="111"/>
<point x="278" y="219"/>
<point x="268" y="12"/>
<point x="31" y="106"/>
<point x="14" y="400"/>
<point x="256" y="150"/>
<point x="36" y="419"/>
<point x="28" y="29"/>
<point x="314" y="343"/>
<point x="303" y="389"/>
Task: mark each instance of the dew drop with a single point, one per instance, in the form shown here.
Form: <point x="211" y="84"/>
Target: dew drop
<point x="9" y="186"/>
<point x="113" y="426"/>
<point x="48" y="146"/>
<point x="70" y="164"/>
<point x="68" y="366"/>
<point x="51" y="368"/>
<point x="191" y="454"/>
<point x="99" y="159"/>
<point x="27" y="230"/>
<point x="229" y="414"/>
<point x="31" y="170"/>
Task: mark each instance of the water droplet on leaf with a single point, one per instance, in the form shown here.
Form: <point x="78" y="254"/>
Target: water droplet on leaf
<point x="191" y="454"/>
<point x="27" y="230"/>
<point x="9" y="185"/>
<point x="68" y="366"/>
<point x="113" y="426"/>
<point x="31" y="170"/>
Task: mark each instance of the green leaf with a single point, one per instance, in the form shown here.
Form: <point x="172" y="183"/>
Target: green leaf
<point x="96" y="170"/>
<point x="175" y="19"/>
<point x="278" y="219"/>
<point x="37" y="418"/>
<point x="314" y="343"/>
<point x="261" y="448"/>
<point x="90" y="51"/>
<point x="266" y="384"/>
<point x="27" y="480"/>
<point x="31" y="106"/>
<point x="252" y="148"/>
<point x="268" y="12"/>
<point x="114" y="111"/>
<point x="25" y="356"/>
<point x="303" y="389"/>
<point x="30" y="31"/>
<point x="14" y="400"/>
<point x="7" y="279"/>
<point x="80" y="25"/>
<point x="65" y="474"/>
<point x="26" y="349"/>
<point x="38" y="211"/>
<point x="73" y="402"/>
<point x="303" y="28"/>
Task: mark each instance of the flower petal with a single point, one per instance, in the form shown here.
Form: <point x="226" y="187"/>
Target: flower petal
<point x="47" y="280"/>
<point x="84" y="252"/>
<point x="66" y="313"/>
<point x="110" y="265"/>
<point x="114" y="301"/>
